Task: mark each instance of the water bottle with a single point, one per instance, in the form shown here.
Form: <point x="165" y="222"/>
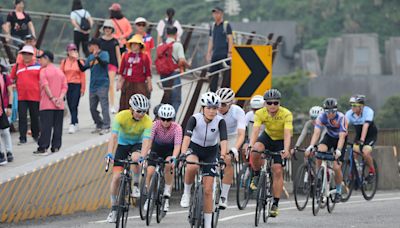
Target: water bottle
<point x="359" y="167"/>
<point x="306" y="177"/>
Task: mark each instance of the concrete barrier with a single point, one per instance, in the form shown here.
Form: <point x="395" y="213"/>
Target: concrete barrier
<point x="386" y="158"/>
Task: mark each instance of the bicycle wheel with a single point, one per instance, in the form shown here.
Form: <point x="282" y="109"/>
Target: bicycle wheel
<point x="348" y="180"/>
<point x="243" y="190"/>
<point x="160" y="202"/>
<point x="318" y="190"/>
<point x="268" y="199"/>
<point x="123" y="204"/>
<point x="302" y="187"/>
<point x="369" y="183"/>
<point x="143" y="196"/>
<point x="215" y="215"/>
<point x="199" y="208"/>
<point x="151" y="198"/>
<point x="260" y="198"/>
<point x="330" y="200"/>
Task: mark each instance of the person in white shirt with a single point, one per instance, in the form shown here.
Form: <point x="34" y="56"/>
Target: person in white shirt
<point x="168" y="22"/>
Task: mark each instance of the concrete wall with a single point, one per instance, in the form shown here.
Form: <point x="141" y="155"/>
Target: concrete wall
<point x="392" y="55"/>
<point x="309" y="61"/>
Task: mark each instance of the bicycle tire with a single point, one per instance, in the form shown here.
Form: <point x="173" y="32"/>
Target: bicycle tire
<point x="243" y="186"/>
<point x="143" y="196"/>
<point x="260" y="200"/>
<point x="215" y="215"/>
<point x="348" y="180"/>
<point x="330" y="200"/>
<point x="301" y="188"/>
<point x="123" y="206"/>
<point x="151" y="198"/>
<point x="199" y="208"/>
<point x="365" y="182"/>
<point x="268" y="199"/>
<point x="318" y="190"/>
<point x="160" y="200"/>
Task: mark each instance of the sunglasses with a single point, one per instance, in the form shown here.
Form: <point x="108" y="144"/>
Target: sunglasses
<point x="141" y="24"/>
<point x="212" y="107"/>
<point x="330" y="111"/>
<point x="107" y="27"/>
<point x="139" y="111"/>
<point x="166" y="119"/>
<point x="272" y="103"/>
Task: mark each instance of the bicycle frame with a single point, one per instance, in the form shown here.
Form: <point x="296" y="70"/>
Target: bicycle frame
<point x="327" y="167"/>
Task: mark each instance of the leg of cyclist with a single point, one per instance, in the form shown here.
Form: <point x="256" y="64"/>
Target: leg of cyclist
<point x="367" y="150"/>
<point x="226" y="182"/>
<point x="323" y="148"/>
<point x="256" y="162"/>
<point x="277" y="172"/>
<point x="208" y="182"/>
<point x="136" y="174"/>
<point x="190" y="174"/>
<point x="169" y="177"/>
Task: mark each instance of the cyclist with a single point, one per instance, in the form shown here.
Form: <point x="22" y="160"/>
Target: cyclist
<point x="256" y="103"/>
<point x="362" y="118"/>
<point x="234" y="117"/>
<point x="155" y="111"/>
<point x="166" y="141"/>
<point x="278" y="123"/>
<point x="314" y="112"/>
<point x="201" y="136"/>
<point x="131" y="133"/>
<point x="335" y="138"/>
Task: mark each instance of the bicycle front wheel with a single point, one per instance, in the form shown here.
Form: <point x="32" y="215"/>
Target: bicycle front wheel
<point x="198" y="208"/>
<point x="302" y="187"/>
<point x="318" y="191"/>
<point x="123" y="203"/>
<point x="143" y="196"/>
<point x="369" y="182"/>
<point x="260" y="200"/>
<point x="151" y="198"/>
<point x="243" y="190"/>
<point x="330" y="200"/>
<point x="348" y="180"/>
<point x="160" y="202"/>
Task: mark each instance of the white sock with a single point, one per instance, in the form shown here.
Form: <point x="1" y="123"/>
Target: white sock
<point x="207" y="220"/>
<point x="225" y="190"/>
<point x="167" y="189"/>
<point x="188" y="187"/>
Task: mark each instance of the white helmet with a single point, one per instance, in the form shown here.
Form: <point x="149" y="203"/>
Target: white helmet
<point x="166" y="111"/>
<point x="210" y="99"/>
<point x="257" y="102"/>
<point x="139" y="102"/>
<point x="226" y="94"/>
<point x="315" y="111"/>
<point x="352" y="99"/>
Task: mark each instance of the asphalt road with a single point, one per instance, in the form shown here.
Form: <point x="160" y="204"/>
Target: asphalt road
<point x="382" y="211"/>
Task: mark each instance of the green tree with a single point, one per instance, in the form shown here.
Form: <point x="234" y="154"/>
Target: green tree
<point x="389" y="115"/>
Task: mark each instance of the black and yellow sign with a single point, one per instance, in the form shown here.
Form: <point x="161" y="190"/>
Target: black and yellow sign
<point x="251" y="70"/>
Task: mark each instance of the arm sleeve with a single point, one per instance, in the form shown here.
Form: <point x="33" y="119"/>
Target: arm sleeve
<point x="13" y="74"/>
<point x="247" y="118"/>
<point x="181" y="53"/>
<point x="83" y="67"/>
<point x="178" y="135"/>
<point x="116" y="126"/>
<point x="9" y="17"/>
<point x="122" y="66"/>
<point x="103" y="59"/>
<point x="147" y="130"/>
<point x="303" y="133"/>
<point x="179" y="28"/>
<point x="229" y="29"/>
<point x="343" y="124"/>
<point x="28" y="18"/>
<point x="64" y="88"/>
<point x="43" y="78"/>
<point x="83" y="81"/>
<point x="319" y="122"/>
<point x="190" y="126"/>
<point x="369" y="115"/>
<point x="223" y="132"/>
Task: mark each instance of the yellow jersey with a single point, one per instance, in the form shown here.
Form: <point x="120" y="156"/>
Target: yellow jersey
<point x="130" y="131"/>
<point x="274" y="125"/>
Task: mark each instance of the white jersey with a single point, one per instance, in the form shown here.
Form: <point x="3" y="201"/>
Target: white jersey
<point x="235" y="119"/>
<point x="250" y="121"/>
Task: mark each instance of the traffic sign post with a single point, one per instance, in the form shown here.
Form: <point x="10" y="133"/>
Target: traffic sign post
<point x="251" y="70"/>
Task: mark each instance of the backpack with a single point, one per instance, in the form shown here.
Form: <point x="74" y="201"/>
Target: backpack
<point x="85" y="23"/>
<point x="225" y="28"/>
<point x="166" y="25"/>
<point x="165" y="62"/>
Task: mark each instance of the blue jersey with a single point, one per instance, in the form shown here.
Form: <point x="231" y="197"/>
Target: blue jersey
<point x="333" y="126"/>
<point x="367" y="116"/>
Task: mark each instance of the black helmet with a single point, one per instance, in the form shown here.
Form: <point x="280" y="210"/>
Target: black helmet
<point x="330" y="103"/>
<point x="272" y="94"/>
<point x="360" y="99"/>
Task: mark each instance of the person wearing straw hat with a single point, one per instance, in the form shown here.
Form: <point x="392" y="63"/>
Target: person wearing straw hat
<point x="135" y="72"/>
<point x="110" y="44"/>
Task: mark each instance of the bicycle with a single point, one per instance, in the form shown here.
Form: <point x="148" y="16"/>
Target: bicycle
<point x="244" y="176"/>
<point x="324" y="183"/>
<point x="356" y="175"/>
<point x="155" y="195"/>
<point x="196" y="215"/>
<point x="124" y="197"/>
<point x="264" y="189"/>
<point x="143" y="192"/>
<point x="304" y="182"/>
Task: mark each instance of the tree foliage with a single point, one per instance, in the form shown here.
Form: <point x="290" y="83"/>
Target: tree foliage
<point x="389" y="115"/>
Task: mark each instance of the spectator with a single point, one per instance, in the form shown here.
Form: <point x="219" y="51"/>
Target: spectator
<point x="219" y="46"/>
<point x="178" y="58"/>
<point x="1" y="24"/>
<point x="26" y="77"/>
<point x="79" y="19"/>
<point x="30" y="40"/>
<point x="135" y="72"/>
<point x="168" y="22"/>
<point x="6" y="93"/>
<point x="53" y="87"/>
<point x="76" y="80"/>
<point x="123" y="28"/>
<point x="98" y="62"/>
<point x="140" y="28"/>
<point x="19" y="23"/>
<point x="110" y="44"/>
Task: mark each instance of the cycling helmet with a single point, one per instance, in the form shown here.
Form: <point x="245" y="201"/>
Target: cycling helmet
<point x="155" y="110"/>
<point x="330" y="103"/>
<point x="315" y="111"/>
<point x="139" y="102"/>
<point x="166" y="111"/>
<point x="226" y="94"/>
<point x="360" y="99"/>
<point x="352" y="99"/>
<point x="272" y="94"/>
<point x="257" y="102"/>
<point x="210" y="99"/>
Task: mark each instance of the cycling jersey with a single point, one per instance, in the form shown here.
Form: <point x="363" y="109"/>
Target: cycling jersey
<point x="307" y="126"/>
<point x="249" y="118"/>
<point x="334" y="126"/>
<point x="130" y="131"/>
<point x="206" y="134"/>
<point x="274" y="125"/>
<point x="366" y="116"/>
<point x="165" y="136"/>
<point x="235" y="119"/>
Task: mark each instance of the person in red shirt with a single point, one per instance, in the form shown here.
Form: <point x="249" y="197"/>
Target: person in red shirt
<point x="26" y="77"/>
<point x="135" y="72"/>
<point x="53" y="88"/>
<point x="7" y="96"/>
